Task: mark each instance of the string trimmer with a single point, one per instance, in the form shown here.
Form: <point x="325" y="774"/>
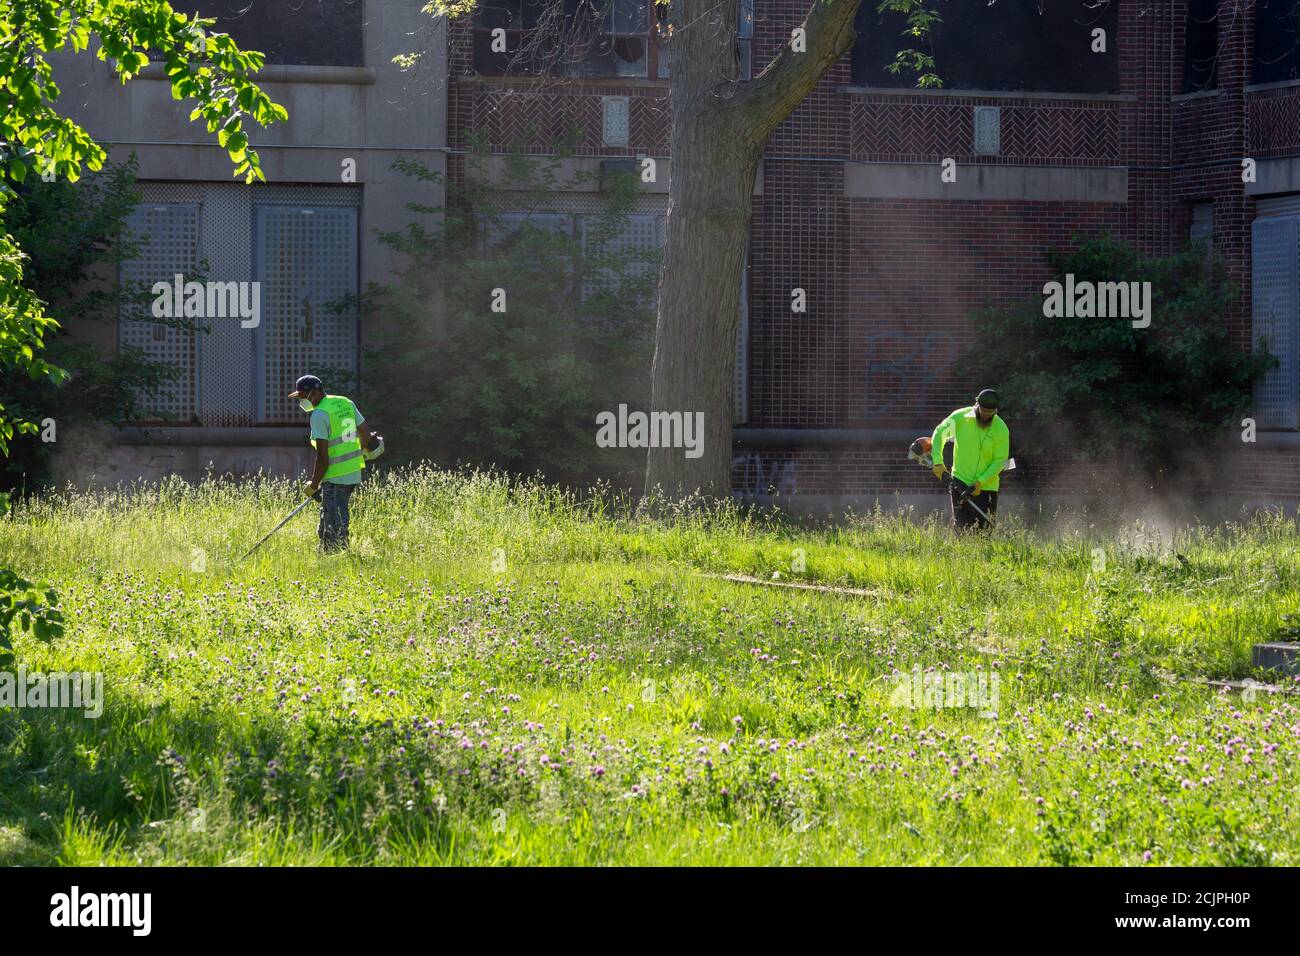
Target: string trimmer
<point x="920" y="452"/>
<point x="287" y="518"/>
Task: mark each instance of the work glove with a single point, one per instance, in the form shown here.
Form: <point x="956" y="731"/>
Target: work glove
<point x="310" y="491"/>
<point x="374" y="452"/>
<point x="939" y="470"/>
<point x="975" y="488"/>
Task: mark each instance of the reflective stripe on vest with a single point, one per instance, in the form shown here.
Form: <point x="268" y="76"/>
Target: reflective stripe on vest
<point x="343" y="444"/>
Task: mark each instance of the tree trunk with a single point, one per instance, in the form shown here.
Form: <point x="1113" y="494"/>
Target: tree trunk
<point x="699" y="299"/>
<point x="720" y="127"/>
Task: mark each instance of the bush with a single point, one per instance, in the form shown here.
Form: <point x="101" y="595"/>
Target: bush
<point x="74" y="235"/>
<point x="1098" y="388"/>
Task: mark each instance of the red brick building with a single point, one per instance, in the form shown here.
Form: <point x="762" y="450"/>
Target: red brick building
<point x="1062" y="117"/>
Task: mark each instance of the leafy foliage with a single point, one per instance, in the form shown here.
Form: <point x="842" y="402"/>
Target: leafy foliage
<point x="1098" y="388"/>
<point x="36" y="139"/>
<point x="920" y="20"/>
<point x="75" y="235"/>
<point x="23" y="327"/>
<point x="35" y="610"/>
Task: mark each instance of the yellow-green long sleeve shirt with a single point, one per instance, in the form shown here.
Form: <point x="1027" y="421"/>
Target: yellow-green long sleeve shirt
<point x="978" y="454"/>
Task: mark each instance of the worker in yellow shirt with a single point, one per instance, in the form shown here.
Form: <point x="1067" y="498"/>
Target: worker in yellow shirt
<point x="981" y="447"/>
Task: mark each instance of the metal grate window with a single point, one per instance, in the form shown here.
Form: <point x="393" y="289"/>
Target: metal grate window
<point x="224" y="365"/>
<point x="988" y="130"/>
<point x="211" y="232"/>
<point x="1276" y="317"/>
<point x="167" y="238"/>
<point x="635" y="246"/>
<point x="496" y="228"/>
<point x="645" y="229"/>
<point x="614" y="120"/>
<point x="306" y="261"/>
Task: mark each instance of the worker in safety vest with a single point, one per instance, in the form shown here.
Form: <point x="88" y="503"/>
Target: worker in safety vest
<point x="981" y="447"/>
<point x="343" y="445"/>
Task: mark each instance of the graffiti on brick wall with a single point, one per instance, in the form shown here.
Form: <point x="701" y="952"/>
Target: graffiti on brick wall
<point x="755" y="474"/>
<point x="902" y="366"/>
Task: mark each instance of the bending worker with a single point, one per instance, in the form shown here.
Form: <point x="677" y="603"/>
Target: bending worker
<point x="981" y="447"/>
<point x="343" y="445"/>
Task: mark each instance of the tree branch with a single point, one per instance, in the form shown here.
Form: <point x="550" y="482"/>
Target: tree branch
<point x="772" y="95"/>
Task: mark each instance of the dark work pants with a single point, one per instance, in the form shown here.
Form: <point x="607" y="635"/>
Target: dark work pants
<point x="333" y="530"/>
<point x="964" y="517"/>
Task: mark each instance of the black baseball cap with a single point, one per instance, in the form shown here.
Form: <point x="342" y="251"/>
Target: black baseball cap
<point x="988" y="399"/>
<point x="305" y="384"/>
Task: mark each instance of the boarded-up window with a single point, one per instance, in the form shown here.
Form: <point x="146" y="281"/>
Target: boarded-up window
<point x="316" y="32"/>
<point x="1277" y="41"/>
<point x="1275" y="314"/>
<point x="306" y="262"/>
<point x="577" y="38"/>
<point x="166" y="239"/>
<point x="1043" y="45"/>
<point x="1201" y="46"/>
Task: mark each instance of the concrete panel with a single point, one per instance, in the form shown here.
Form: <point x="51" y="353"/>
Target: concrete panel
<point x="1275" y="176"/>
<point x="379" y="105"/>
<point x="1010" y="183"/>
<point x="91" y="456"/>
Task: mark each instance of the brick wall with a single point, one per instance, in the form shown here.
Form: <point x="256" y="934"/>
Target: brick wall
<point x="891" y="282"/>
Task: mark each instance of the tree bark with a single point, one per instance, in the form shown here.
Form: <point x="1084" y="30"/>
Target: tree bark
<point x="720" y="128"/>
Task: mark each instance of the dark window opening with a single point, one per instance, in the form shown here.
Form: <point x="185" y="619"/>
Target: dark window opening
<point x="1277" y="41"/>
<point x="1043" y="45"/>
<point x="580" y="38"/>
<point x="312" y="32"/>
<point x="1201" y="49"/>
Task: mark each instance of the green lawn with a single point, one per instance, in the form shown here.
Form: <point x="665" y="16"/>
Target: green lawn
<point x="589" y="693"/>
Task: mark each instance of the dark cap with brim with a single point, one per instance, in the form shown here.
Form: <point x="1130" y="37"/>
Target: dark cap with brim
<point x="305" y="384"/>
<point x="988" y="399"/>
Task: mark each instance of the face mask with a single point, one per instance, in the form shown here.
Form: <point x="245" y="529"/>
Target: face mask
<point x="305" y="404"/>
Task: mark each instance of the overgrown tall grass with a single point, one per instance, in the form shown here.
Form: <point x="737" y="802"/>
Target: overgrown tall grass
<point x="503" y="673"/>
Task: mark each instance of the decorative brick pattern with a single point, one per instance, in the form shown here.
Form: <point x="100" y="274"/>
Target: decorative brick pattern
<point x="1273" y="121"/>
<point x="899" y="129"/>
<point x="540" y="118"/>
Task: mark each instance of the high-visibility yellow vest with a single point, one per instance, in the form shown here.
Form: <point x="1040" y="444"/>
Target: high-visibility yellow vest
<point x="978" y="454"/>
<point x="344" y="446"/>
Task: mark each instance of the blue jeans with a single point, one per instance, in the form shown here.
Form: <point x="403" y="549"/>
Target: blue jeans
<point x="333" y="530"/>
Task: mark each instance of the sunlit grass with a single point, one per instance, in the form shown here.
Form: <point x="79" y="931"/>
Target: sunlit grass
<point x="502" y="674"/>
